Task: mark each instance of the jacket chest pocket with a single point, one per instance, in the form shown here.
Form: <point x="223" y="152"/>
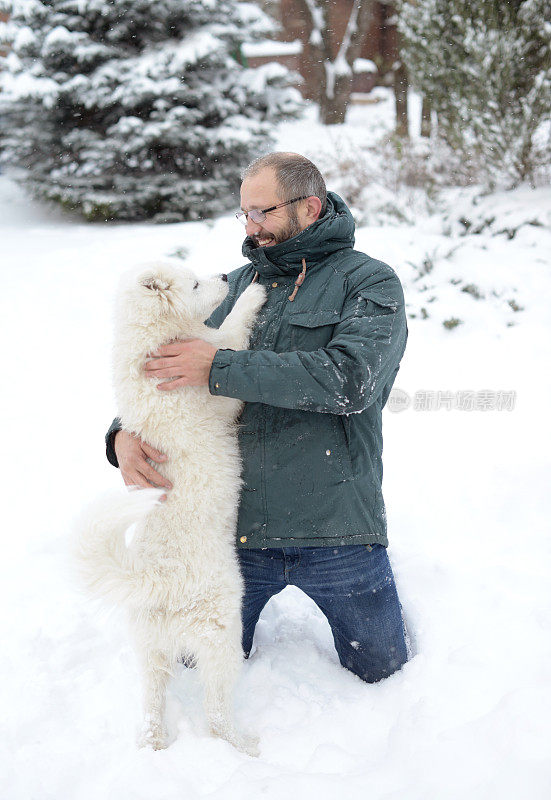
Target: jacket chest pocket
<point x="311" y="330"/>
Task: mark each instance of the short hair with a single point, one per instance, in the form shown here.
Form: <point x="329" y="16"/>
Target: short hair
<point x="296" y="176"/>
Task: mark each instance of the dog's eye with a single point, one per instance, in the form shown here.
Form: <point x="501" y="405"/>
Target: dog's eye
<point x="196" y="284"/>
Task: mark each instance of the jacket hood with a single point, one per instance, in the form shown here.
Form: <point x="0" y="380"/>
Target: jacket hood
<point x="334" y="231"/>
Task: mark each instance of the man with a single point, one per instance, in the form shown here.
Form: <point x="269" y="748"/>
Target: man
<point x="322" y="360"/>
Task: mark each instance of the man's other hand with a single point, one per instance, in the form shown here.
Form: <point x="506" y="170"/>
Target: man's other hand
<point x="186" y="363"/>
<point x="132" y="455"/>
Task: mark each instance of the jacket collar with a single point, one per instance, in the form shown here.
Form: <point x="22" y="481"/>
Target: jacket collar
<point x="334" y="231"/>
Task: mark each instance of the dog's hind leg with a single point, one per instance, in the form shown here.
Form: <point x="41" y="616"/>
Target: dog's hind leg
<point x="219" y="660"/>
<point x="156" y="674"/>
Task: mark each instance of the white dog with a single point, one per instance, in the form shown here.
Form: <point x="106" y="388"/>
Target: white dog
<point x="179" y="578"/>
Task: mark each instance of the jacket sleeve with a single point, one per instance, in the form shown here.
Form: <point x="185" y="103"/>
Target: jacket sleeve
<point x="110" y="442"/>
<point x="346" y="376"/>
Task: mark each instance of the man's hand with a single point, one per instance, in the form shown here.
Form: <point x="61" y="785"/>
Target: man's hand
<point x="186" y="362"/>
<point x="136" y="471"/>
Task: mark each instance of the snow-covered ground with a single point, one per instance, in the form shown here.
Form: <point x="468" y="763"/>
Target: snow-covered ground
<point x="467" y="494"/>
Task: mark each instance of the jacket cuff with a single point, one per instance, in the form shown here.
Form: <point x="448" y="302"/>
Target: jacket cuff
<point x="219" y="375"/>
<point x="110" y="442"/>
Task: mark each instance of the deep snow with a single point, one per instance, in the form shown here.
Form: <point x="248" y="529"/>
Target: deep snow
<point x="468" y="509"/>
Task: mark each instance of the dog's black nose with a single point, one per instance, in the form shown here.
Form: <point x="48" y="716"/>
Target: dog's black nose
<point x="224" y="277"/>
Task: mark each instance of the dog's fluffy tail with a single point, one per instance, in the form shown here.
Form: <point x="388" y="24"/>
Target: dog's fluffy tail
<point x="105" y="564"/>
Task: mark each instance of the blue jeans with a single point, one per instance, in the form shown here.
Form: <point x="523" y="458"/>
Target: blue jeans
<point x="354" y="587"/>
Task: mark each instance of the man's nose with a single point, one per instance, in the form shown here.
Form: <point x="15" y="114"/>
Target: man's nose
<point x="252" y="227"/>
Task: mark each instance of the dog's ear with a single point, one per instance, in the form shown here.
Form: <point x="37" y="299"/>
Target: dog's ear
<point x="155" y="283"/>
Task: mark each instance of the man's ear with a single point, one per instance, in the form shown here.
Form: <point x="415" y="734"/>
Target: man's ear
<point x="313" y="208"/>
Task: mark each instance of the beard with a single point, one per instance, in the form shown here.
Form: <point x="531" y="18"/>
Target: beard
<point x="292" y="228"/>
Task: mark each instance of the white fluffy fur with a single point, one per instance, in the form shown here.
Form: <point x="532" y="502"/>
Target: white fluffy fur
<point x="179" y="577"/>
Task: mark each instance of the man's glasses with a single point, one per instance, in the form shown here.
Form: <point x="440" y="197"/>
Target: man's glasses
<point x="257" y="215"/>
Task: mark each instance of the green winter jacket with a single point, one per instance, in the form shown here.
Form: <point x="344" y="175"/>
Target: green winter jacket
<point x="315" y="379"/>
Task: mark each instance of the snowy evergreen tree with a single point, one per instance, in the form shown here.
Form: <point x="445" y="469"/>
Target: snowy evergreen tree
<point x="485" y="67"/>
<point x="134" y="109"/>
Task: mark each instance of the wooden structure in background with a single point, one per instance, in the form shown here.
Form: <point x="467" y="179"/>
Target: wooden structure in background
<point x="380" y="45"/>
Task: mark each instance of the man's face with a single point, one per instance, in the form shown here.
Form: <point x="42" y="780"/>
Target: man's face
<point x="262" y="191"/>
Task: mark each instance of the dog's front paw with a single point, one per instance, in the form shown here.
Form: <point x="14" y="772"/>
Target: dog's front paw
<point x="253" y="298"/>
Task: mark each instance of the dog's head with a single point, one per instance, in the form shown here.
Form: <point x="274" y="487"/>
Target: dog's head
<point x="162" y="291"/>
